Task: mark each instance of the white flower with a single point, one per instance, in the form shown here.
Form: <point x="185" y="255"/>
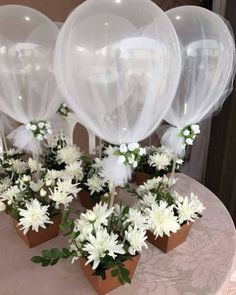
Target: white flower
<point x="102" y="213"/>
<point x="142" y="151"/>
<point x="95" y="184"/>
<point x="197" y="204"/>
<point x="52" y="175"/>
<point x="39" y="137"/>
<point x="162" y="220"/>
<point x="123" y="148"/>
<point x="131" y="159"/>
<point x="36" y="186"/>
<point x="136" y="239"/>
<point x="33" y="127"/>
<point x="43" y="193"/>
<point x="133" y="146"/>
<point x="4" y="184"/>
<point x="35" y="215"/>
<point x="102" y="245"/>
<point x="137" y="219"/>
<point x="121" y="159"/>
<point x="160" y="161"/>
<point x="18" y="166"/>
<point x="13" y="152"/>
<point x="63" y="193"/>
<point x="186" y="210"/>
<point x="110" y="150"/>
<point x="41" y="125"/>
<point x="189" y="141"/>
<point x="75" y="170"/>
<point x="97" y="164"/>
<point x="89" y="216"/>
<point x="33" y="165"/>
<point x="179" y="161"/>
<point x="26" y="178"/>
<point x="3" y="207"/>
<point x="10" y="194"/>
<point x="68" y="155"/>
<point x="148" y="200"/>
<point x="135" y="164"/>
<point x="196" y="128"/>
<point x="178" y="197"/>
<point x="186" y="132"/>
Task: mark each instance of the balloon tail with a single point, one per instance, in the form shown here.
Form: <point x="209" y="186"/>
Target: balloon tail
<point x="36" y="157"/>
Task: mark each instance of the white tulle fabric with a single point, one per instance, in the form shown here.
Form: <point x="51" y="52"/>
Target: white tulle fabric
<point x="28" y="89"/>
<point x="118" y="65"/>
<point x="208" y="68"/>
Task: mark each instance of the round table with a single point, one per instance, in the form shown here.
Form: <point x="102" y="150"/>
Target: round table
<point x="200" y="266"/>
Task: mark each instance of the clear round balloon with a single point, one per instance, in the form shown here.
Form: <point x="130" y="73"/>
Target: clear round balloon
<point x="118" y="64"/>
<point x="208" y="64"/>
<point x="28" y="88"/>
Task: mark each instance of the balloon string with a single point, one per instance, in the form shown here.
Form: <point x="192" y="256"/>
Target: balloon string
<point x="4" y="142"/>
<point x="150" y="140"/>
<point x="37" y="168"/>
<point x="112" y="199"/>
<point x="173" y="173"/>
<point x="100" y="148"/>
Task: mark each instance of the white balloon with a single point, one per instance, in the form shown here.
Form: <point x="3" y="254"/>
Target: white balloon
<point x="208" y="64"/>
<point x="118" y="65"/>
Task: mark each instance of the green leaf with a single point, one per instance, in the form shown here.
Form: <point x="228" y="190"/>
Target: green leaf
<point x="54" y="261"/>
<point x="47" y="254"/>
<point x="56" y="253"/>
<point x="121" y="280"/>
<point x="37" y="259"/>
<point x="115" y="272"/>
<point x="46" y="262"/>
<point x="124" y="271"/>
<point x="66" y="253"/>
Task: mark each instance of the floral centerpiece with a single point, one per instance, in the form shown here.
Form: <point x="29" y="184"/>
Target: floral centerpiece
<point x="156" y="162"/>
<point x="94" y="186"/>
<point x="107" y="243"/>
<point x="34" y="203"/>
<point x="169" y="214"/>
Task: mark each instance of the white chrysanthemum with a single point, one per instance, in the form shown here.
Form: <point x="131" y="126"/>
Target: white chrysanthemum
<point x="13" y="152"/>
<point x="52" y="175"/>
<point x="162" y="220"/>
<point x="102" y="245"/>
<point x="34" y="165"/>
<point x="34" y="216"/>
<point x="110" y="150"/>
<point x="136" y="238"/>
<point x="36" y="186"/>
<point x="10" y="194"/>
<point x="137" y="219"/>
<point x="198" y="205"/>
<point x="97" y="164"/>
<point x="17" y="166"/>
<point x="186" y="210"/>
<point x="160" y="161"/>
<point x="95" y="184"/>
<point x="75" y="170"/>
<point x="148" y="200"/>
<point x="68" y="155"/>
<point x="150" y="184"/>
<point x="63" y="193"/>
<point x="4" y="184"/>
